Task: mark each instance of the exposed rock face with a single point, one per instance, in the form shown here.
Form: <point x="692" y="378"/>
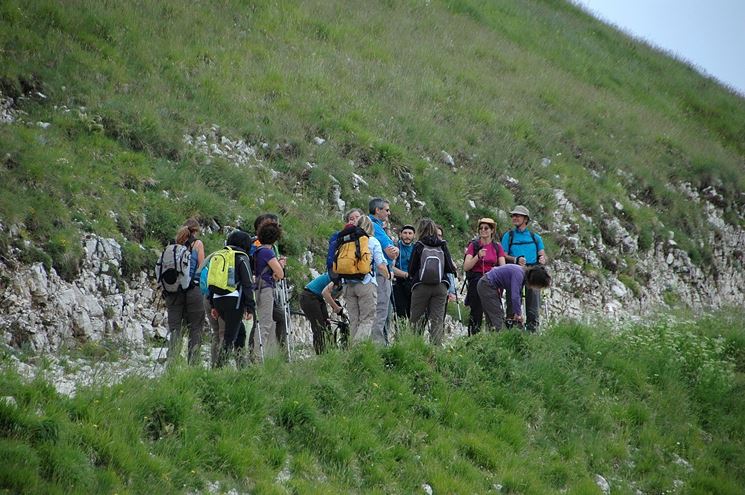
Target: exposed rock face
<point x="664" y="273"/>
<point x="41" y="310"/>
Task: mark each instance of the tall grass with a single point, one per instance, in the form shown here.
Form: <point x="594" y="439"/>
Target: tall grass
<point x="656" y="408"/>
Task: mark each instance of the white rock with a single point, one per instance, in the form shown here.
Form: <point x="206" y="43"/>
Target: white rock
<point x="471" y="203"/>
<point x="602" y="484"/>
<point x="427" y="489"/>
<point x="670" y="259"/>
<point x="446" y="158"/>
<point x="545" y="162"/>
<point x="318" y="140"/>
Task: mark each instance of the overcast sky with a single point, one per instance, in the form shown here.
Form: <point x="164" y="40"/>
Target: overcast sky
<point x="710" y="34"/>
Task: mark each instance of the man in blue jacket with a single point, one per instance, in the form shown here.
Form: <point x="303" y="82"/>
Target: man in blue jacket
<point x="380" y="210"/>
<point x="524" y="248"/>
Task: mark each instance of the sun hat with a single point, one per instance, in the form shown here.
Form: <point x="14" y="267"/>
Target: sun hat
<point x="489" y="222"/>
<point x="520" y="210"/>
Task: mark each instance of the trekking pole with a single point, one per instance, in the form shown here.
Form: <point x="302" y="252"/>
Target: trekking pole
<point x="261" y="341"/>
<point x="285" y="301"/>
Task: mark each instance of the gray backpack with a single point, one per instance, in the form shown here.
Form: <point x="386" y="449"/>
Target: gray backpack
<point x="172" y="269"/>
<point x="432" y="265"/>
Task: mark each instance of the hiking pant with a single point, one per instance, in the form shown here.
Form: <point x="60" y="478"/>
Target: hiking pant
<point x="379" y="329"/>
<point x="185" y="309"/>
<point x="280" y="328"/>
<point x="280" y="325"/>
<point x="491" y="301"/>
<point x="473" y="301"/>
<point x="264" y="311"/>
<point x="402" y="297"/>
<point x="532" y="308"/>
<point x="314" y="308"/>
<point x="361" y="302"/>
<point x="226" y="339"/>
<point x="429" y="300"/>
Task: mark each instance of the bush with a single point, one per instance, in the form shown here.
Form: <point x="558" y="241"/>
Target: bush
<point x="136" y="259"/>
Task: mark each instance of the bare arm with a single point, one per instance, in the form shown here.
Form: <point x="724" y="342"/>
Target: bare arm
<point x="330" y="300"/>
<point x="383" y="270"/>
<point x="277" y="272"/>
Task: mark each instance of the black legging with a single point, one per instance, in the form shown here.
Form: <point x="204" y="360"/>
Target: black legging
<point x="473" y="301"/>
<point x="314" y="308"/>
<point x="232" y="317"/>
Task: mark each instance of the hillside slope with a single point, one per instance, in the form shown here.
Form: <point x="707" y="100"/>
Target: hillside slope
<point x="121" y="119"/>
<point x="651" y="409"/>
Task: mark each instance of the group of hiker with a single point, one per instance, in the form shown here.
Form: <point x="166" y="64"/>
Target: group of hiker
<point x="381" y="278"/>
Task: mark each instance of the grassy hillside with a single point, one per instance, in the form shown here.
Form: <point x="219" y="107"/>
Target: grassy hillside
<point x="659" y="408"/>
<point x="389" y="84"/>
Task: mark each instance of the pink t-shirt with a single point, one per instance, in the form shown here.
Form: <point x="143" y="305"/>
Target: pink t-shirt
<point x="490" y="260"/>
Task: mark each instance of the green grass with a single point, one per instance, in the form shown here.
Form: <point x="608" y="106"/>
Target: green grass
<point x="388" y="84"/>
<point x="534" y="414"/>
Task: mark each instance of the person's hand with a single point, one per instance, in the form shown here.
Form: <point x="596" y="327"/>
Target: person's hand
<point x="392" y="252"/>
<point x="542" y="259"/>
<point x="517" y="318"/>
<point x="482" y="253"/>
<point x="452" y="297"/>
<point x="248" y="315"/>
<point x="406" y="275"/>
<point x="521" y="260"/>
<point x="282" y="261"/>
<point x="214" y="314"/>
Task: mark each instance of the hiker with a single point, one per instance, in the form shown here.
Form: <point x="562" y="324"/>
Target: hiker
<point x="525" y="248"/>
<point x="401" y="280"/>
<point x="361" y="295"/>
<point x="452" y="289"/>
<point x="350" y="218"/>
<point x="278" y="313"/>
<point x="185" y="308"/>
<point x="380" y="210"/>
<point x="228" y="306"/>
<point x="510" y="278"/>
<point x="313" y="300"/>
<point x="483" y="254"/>
<point x="267" y="271"/>
<point x="429" y="265"/>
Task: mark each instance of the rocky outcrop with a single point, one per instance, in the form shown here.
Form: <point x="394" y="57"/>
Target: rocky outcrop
<point x="42" y="311"/>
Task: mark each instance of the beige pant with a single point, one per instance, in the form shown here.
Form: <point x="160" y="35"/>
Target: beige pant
<point x="264" y="310"/>
<point x="361" y="300"/>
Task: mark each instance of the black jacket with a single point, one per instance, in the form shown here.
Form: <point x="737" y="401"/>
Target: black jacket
<point x="416" y="255"/>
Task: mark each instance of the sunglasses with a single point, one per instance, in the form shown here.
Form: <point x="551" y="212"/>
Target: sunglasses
<point x="484" y="227"/>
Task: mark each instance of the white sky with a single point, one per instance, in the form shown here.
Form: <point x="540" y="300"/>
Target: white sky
<point x="710" y="34"/>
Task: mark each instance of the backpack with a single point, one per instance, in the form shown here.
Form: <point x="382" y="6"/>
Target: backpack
<point x="431" y="265"/>
<point x="512" y="238"/>
<point x="221" y="271"/>
<point x="173" y="268"/>
<point x="352" y="257"/>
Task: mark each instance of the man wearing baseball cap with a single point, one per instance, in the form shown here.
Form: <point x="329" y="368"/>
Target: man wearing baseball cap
<point x="402" y="281"/>
<point x="525" y="248"/>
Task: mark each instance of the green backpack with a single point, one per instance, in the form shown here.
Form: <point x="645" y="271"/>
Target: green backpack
<point x="221" y="271"/>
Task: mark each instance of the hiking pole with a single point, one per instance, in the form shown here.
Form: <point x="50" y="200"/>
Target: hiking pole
<point x="261" y="341"/>
<point x="288" y="319"/>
